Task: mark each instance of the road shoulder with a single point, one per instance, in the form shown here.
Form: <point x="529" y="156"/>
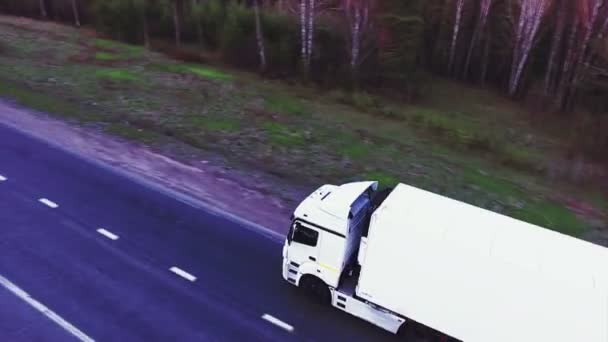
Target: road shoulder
<point x="246" y="196"/>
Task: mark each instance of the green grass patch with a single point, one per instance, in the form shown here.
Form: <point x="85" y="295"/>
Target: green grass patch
<point x="45" y="103"/>
<point x="599" y="200"/>
<point x="198" y="70"/>
<point x="522" y="158"/>
<point x="551" y="215"/>
<point x="363" y="101"/>
<point x="452" y="127"/>
<point x="132" y="133"/>
<point x="349" y="146"/>
<point x="355" y="150"/>
<point x="281" y="135"/>
<point x="210" y="73"/>
<point x="285" y="104"/>
<point x="116" y="45"/>
<point x="106" y="56"/>
<point x="450" y="122"/>
<point x="106" y="44"/>
<point x="120" y="50"/>
<point x="120" y="75"/>
<point x="215" y="124"/>
<point x="383" y="178"/>
<point x="492" y="185"/>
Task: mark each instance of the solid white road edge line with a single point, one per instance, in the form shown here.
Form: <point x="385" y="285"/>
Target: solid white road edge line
<point x="2" y="178"/>
<point x="44" y="310"/>
<point x="48" y="203"/>
<point x="277" y="322"/>
<point x="107" y="234"/>
<point x="182" y="273"/>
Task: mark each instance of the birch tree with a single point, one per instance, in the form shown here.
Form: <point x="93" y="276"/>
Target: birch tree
<point x="259" y="36"/>
<point x="76" y="13"/>
<point x="357" y="15"/>
<point x="455" y="32"/>
<point x="532" y="13"/>
<point x="308" y="10"/>
<point x="556" y="43"/>
<point x="480" y="27"/>
<point x="307" y="28"/>
<point x="591" y="23"/>
<point x="43" y="11"/>
<point x="177" y="19"/>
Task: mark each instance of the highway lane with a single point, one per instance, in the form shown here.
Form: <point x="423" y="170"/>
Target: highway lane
<point x="19" y="322"/>
<point x="123" y="289"/>
<point x="105" y="291"/>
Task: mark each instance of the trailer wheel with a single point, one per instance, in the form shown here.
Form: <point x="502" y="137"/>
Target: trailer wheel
<point x="316" y="288"/>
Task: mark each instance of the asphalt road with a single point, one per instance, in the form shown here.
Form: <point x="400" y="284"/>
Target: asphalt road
<point x="119" y="285"/>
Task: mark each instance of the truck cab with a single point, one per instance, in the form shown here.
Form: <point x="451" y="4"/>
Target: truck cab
<point x="326" y="246"/>
<point x="325" y="234"/>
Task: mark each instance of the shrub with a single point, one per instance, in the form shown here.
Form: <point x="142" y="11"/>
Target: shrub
<point x="120" y="19"/>
<point x="330" y="60"/>
<point x="281" y="34"/>
<point x="363" y="101"/>
<point x="238" y="39"/>
<point x="212" y="15"/>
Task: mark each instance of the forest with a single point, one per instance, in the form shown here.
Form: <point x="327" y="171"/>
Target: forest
<point x="551" y="55"/>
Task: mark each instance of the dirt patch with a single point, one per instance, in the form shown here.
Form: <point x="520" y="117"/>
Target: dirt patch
<point x="247" y="194"/>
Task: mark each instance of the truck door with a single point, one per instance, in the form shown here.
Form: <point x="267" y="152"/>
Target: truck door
<point x="303" y="248"/>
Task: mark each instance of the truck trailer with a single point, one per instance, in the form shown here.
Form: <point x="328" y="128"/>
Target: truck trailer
<point x="428" y="267"/>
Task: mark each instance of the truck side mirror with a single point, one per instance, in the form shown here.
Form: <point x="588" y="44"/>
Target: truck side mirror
<point x="290" y="233"/>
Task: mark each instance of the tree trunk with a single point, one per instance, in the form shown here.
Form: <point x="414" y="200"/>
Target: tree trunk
<point x="304" y="35"/>
<point x="531" y="16"/>
<point x="177" y="21"/>
<point x="439" y="54"/>
<point x="76" y="14"/>
<point x="485" y="62"/>
<point x="43" y="12"/>
<point x="311" y="30"/>
<point x="199" y="32"/>
<point x="584" y="55"/>
<point x="199" y="25"/>
<point x="604" y="29"/>
<point x="472" y="46"/>
<point x="556" y="44"/>
<point x="259" y="36"/>
<point x="566" y="80"/>
<point x="477" y="33"/>
<point x="355" y="40"/>
<point x="146" y="28"/>
<point x="459" y="6"/>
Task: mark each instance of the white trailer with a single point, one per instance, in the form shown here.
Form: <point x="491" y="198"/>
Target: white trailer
<point x="417" y="263"/>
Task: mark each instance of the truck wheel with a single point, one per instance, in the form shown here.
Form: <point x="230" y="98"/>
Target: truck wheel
<point x="412" y="331"/>
<point x="316" y="288"/>
<point x="407" y="333"/>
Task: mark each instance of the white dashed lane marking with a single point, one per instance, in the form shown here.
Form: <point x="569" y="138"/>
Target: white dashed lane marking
<point x="182" y="273"/>
<point x="277" y="322"/>
<point x="44" y="310"/>
<point x="48" y="203"/>
<point x="107" y="234"/>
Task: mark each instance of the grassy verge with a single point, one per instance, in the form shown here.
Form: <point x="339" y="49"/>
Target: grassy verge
<point x="464" y="143"/>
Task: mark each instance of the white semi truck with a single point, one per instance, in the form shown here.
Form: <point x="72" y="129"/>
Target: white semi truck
<point x="428" y="267"/>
